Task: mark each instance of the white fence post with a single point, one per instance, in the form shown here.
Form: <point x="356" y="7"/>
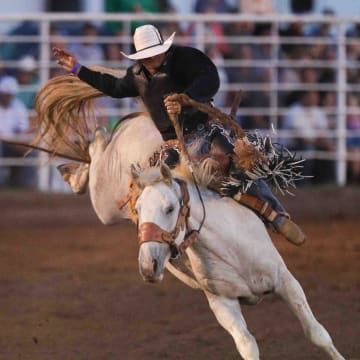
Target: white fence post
<point x="341" y="164"/>
<point x="44" y="168"/>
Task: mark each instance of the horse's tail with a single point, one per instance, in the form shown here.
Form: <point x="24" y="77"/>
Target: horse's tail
<point x="65" y="114"/>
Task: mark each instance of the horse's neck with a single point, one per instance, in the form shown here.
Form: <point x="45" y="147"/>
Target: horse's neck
<point x="224" y="219"/>
<point x="109" y="175"/>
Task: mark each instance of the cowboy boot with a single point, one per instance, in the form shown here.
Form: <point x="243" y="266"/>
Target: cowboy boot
<point x="287" y="228"/>
<point x="281" y="222"/>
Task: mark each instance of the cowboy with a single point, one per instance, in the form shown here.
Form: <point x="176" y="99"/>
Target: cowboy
<point x="162" y="68"/>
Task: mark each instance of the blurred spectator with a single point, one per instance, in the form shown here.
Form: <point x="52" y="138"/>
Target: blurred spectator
<point x="290" y="76"/>
<point x="129" y="6"/>
<point x="292" y="30"/>
<point x="165" y="6"/>
<point x="301" y="6"/>
<point x="63" y="5"/>
<point x="237" y="28"/>
<point x="260" y="101"/>
<point x="352" y="60"/>
<point x="305" y="118"/>
<point x="217" y="58"/>
<point x="212" y="6"/>
<point x="181" y="32"/>
<point x="353" y="143"/>
<point x="247" y="75"/>
<point x="15" y="51"/>
<point x="88" y="49"/>
<point x="328" y="101"/>
<point x="113" y="55"/>
<point x="14" y="119"/>
<point x="263" y="51"/>
<point x="70" y="6"/>
<point x="256" y="6"/>
<point x="325" y="29"/>
<point x="354" y="31"/>
<point x="309" y="75"/>
<point x="57" y="39"/>
<point x="213" y="29"/>
<point x="2" y="68"/>
<point x="14" y="124"/>
<point x="328" y="73"/>
<point x="27" y="76"/>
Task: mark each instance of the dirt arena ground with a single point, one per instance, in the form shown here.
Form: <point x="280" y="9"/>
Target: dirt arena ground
<point x="70" y="288"/>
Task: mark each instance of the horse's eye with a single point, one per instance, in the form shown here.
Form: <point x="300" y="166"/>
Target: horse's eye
<point x="169" y="210"/>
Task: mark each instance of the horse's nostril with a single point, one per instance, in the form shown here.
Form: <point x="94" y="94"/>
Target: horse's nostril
<point x="155" y="266"/>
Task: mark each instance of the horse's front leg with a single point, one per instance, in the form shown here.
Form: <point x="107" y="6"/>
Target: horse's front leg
<point x="228" y="314"/>
<point x="290" y="290"/>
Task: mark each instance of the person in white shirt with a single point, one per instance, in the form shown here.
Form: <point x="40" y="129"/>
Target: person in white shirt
<point x="306" y="118"/>
<point x="88" y="51"/>
<point x="309" y="122"/>
<point x="256" y="6"/>
<point x="13" y="114"/>
<point x="14" y="125"/>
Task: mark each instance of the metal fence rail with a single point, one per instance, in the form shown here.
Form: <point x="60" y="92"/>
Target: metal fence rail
<point x="274" y="64"/>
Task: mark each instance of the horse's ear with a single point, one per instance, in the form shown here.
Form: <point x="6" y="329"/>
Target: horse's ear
<point x="76" y="175"/>
<point x="166" y="173"/>
<point x="134" y="172"/>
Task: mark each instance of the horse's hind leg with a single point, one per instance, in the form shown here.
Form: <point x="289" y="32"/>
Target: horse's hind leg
<point x="290" y="290"/>
<point x="229" y="316"/>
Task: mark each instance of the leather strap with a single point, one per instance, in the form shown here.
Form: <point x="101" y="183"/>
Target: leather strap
<point x="261" y="207"/>
<point x="123" y="201"/>
<point x="149" y="231"/>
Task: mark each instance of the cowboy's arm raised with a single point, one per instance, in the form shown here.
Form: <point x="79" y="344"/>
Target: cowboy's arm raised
<point x="106" y="83"/>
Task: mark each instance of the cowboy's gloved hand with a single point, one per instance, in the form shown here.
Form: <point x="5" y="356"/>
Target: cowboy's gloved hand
<point x="64" y="58"/>
<point x="172" y="107"/>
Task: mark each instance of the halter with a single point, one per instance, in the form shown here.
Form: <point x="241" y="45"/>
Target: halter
<point x="149" y="231"/>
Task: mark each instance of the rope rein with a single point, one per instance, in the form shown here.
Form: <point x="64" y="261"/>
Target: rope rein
<point x="52" y="152"/>
<point x="228" y="120"/>
<point x="179" y="133"/>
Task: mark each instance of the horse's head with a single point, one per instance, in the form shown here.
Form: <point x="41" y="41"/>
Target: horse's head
<point x="161" y="211"/>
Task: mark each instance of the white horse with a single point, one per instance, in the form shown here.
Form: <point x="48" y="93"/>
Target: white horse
<point x="107" y="175"/>
<point x="233" y="260"/>
<point x="65" y="120"/>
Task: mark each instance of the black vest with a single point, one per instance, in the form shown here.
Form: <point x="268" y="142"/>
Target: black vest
<point x="153" y="90"/>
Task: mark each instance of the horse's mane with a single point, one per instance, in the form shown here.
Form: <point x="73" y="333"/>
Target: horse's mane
<point x="65" y="114"/>
<point x="201" y="172"/>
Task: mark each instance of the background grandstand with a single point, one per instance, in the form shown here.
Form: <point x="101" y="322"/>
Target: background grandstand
<point x="297" y="64"/>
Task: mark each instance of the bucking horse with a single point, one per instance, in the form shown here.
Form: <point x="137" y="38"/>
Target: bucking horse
<point x="233" y="261"/>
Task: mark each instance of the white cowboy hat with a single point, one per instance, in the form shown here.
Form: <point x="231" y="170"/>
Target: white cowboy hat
<point x="149" y="42"/>
<point x="9" y="85"/>
<point x="27" y="63"/>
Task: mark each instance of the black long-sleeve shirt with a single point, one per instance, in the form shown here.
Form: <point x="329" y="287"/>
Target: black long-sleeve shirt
<point x="185" y="70"/>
